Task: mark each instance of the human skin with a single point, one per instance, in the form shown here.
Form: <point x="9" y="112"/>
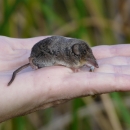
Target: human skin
<point x="46" y="87"/>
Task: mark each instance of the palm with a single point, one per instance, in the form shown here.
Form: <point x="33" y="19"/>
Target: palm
<point x="49" y="86"/>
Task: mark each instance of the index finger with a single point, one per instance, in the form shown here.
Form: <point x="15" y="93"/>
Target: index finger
<point x="105" y="51"/>
<point x="27" y="43"/>
<point x="102" y="51"/>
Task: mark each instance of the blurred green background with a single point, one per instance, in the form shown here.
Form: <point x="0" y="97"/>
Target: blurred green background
<point x="100" y="22"/>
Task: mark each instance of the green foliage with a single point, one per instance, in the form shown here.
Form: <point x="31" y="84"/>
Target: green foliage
<point x="122" y="110"/>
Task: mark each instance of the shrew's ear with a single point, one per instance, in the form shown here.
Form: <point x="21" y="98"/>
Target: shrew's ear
<point x="80" y="48"/>
<point x="76" y="49"/>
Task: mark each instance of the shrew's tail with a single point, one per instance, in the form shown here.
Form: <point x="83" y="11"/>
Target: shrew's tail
<point x="16" y="71"/>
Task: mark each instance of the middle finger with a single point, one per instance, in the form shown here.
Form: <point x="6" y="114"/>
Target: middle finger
<point x="119" y="60"/>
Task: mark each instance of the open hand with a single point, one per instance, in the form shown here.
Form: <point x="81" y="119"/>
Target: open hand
<point x="39" y="89"/>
